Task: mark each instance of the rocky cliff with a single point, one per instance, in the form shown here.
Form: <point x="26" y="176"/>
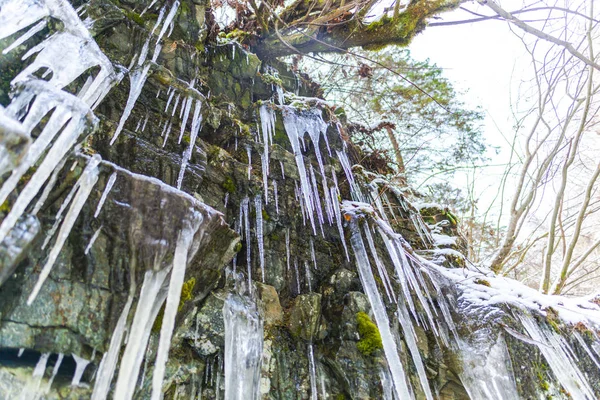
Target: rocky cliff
<point x="182" y="219"/>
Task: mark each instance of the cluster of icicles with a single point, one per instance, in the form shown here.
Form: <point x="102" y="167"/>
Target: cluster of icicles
<point x="63" y="57"/>
<point x="68" y="55"/>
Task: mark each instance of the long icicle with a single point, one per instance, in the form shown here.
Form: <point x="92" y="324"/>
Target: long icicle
<point x="86" y="183"/>
<point x="370" y="287"/>
<point x="180" y="259"/>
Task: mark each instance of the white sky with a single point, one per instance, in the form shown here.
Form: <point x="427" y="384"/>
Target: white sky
<point x="486" y="61"/>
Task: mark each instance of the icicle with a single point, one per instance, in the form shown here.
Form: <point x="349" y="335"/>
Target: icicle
<point x="557" y="353"/>
<point x="308" y="276"/>
<point x="276" y="196"/>
<point x="370" y="287"/>
<point x="186" y="116"/>
<point x="267" y="119"/>
<point x="182" y="248"/>
<point x="226" y="200"/>
<point x="338" y="218"/>
<point x="282" y="170"/>
<point x="169" y="101"/>
<point x="145" y="122"/>
<point x="92" y="240"/>
<point x="107" y="188"/>
<point x="411" y="342"/>
<point x="586" y="348"/>
<point x="380" y="267"/>
<point x="81" y="365"/>
<point x="54" y="372"/>
<point x="259" y="234"/>
<point x="297" y="275"/>
<point x="149" y="303"/>
<point x="21" y="350"/>
<point x="245" y="209"/>
<point x="108" y="364"/>
<point x="79" y="120"/>
<point x="168" y="21"/>
<point x="317" y="199"/>
<point x="25" y="37"/>
<point x="355" y="191"/>
<point x="86" y="183"/>
<point x="243" y="348"/>
<point x="313" y="372"/>
<point x="292" y="126"/>
<point x="287" y="248"/>
<point x="176" y="104"/>
<point x="196" y="124"/>
<point x="312" y="253"/>
<point x="58" y="217"/>
<point x="137" y="77"/>
<point x="487" y="370"/>
<point x="249" y="153"/>
<point x="166" y="132"/>
<point x="66" y="54"/>
<point x="48" y="188"/>
<point x="31" y="390"/>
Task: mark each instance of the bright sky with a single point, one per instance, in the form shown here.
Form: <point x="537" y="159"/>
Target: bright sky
<point x="486" y="61"/>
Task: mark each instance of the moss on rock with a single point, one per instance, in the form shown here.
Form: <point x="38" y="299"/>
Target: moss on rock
<point x="370" y="339"/>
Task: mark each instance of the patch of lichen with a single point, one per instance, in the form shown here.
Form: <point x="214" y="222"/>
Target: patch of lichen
<point x="370" y="339"/>
<point x="186" y="295"/>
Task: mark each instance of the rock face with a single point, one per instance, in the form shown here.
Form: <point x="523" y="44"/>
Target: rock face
<point x="212" y="136"/>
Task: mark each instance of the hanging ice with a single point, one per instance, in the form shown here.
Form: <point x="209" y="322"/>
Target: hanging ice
<point x="107" y="188"/>
<point x="486" y="369"/>
<point x="243" y="348"/>
<point x="137" y="77"/>
<point x="276" y="196"/>
<point x="67" y="107"/>
<point x="370" y="287"/>
<point x="54" y="372"/>
<point x="92" y="240"/>
<point x="85" y="185"/>
<point x="245" y="213"/>
<point x="312" y="372"/>
<point x="180" y="259"/>
<point x="558" y="354"/>
<point x="108" y="364"/>
<point x="31" y="389"/>
<point x="267" y="119"/>
<point x="149" y="303"/>
<point x="80" y="366"/>
<point x="259" y="234"/>
<point x="68" y="53"/>
<point x="196" y="124"/>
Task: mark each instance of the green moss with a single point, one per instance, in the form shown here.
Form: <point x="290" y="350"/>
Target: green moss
<point x="553" y="319"/>
<point x="340" y="396"/>
<point x="238" y="247"/>
<point x="5" y="207"/>
<point x="482" y="282"/>
<point x="271" y="80"/>
<point x="370" y="339"/>
<point x="228" y="185"/>
<point x="379" y="23"/>
<point x="135" y="17"/>
<point x="186" y="295"/>
<point x="265" y="215"/>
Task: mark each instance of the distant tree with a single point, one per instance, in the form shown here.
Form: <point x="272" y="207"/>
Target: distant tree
<point x="414" y="115"/>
